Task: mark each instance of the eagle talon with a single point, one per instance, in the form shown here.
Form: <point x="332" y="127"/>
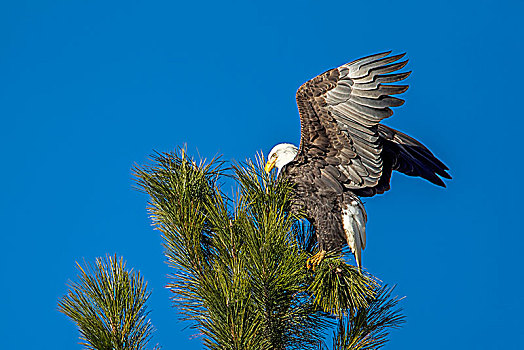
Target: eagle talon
<point x="315" y="260"/>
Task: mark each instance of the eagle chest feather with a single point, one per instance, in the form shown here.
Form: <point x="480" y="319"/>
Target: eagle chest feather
<point x="338" y="218"/>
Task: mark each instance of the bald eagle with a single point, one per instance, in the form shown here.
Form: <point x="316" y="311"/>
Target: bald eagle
<point x="345" y="153"/>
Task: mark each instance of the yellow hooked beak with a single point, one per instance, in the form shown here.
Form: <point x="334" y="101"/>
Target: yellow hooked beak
<point x="270" y="165"/>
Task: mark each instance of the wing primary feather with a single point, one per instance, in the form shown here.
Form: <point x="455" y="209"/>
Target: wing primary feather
<point x="379" y="91"/>
<point x="370" y="75"/>
<point x="383" y="61"/>
<point x="389" y="68"/>
<point x="412" y="146"/>
<point x="425" y="163"/>
<point x="381" y="102"/>
<point x="367" y="59"/>
<point x="392" y="78"/>
<point x="393" y="89"/>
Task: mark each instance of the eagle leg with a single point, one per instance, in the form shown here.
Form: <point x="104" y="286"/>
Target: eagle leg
<point x="315" y="260"/>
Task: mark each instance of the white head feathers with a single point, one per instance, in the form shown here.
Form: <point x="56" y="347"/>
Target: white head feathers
<point x="282" y="154"/>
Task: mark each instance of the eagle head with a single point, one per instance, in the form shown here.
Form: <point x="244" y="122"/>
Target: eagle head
<point x="280" y="155"/>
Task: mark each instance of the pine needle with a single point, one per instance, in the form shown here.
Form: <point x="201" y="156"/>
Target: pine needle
<point x="108" y="304"/>
<point x="239" y="265"/>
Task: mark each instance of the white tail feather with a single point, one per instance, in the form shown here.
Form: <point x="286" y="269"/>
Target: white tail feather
<point x="354" y="219"/>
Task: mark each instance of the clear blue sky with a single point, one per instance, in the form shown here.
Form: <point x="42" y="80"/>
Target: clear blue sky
<point x="88" y="88"/>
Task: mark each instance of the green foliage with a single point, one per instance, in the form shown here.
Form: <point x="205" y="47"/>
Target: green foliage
<point x="108" y="303"/>
<point x="239" y="265"/>
<point x="275" y="261"/>
<point x="340" y="288"/>
<point x="369" y="328"/>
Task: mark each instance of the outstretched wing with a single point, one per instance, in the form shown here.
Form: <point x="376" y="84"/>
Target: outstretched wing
<point x="339" y="115"/>
<point x="407" y="155"/>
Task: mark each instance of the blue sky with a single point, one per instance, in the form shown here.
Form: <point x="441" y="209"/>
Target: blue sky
<point x="89" y="88"/>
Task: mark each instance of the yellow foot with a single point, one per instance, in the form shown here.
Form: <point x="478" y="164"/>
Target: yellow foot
<point x="315" y="260"/>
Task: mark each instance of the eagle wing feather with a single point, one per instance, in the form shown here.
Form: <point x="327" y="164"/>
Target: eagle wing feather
<point x="339" y="113"/>
<point x="343" y="146"/>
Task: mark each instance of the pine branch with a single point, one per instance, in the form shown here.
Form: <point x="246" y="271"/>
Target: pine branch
<point x="340" y="288"/>
<point x="369" y="328"/>
<point x="202" y="246"/>
<point x="239" y="274"/>
<point x="239" y="266"/>
<point x="108" y="304"/>
<point x="276" y="262"/>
